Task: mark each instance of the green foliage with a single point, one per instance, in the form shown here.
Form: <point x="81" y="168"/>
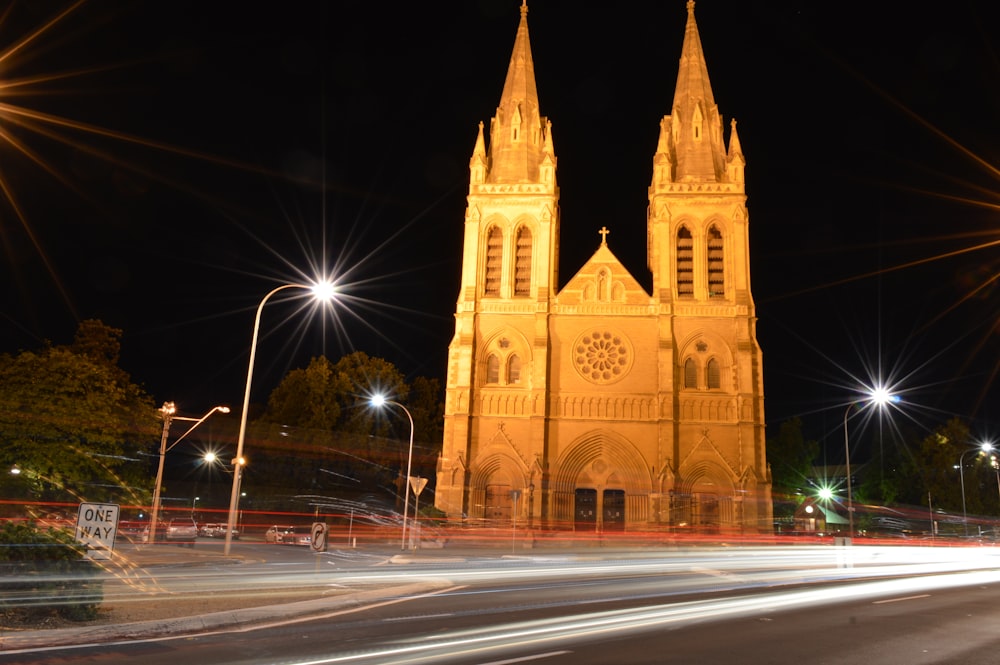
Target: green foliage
<point x="73" y="422"/>
<point x="308" y="397"/>
<point x="44" y="573"/>
<point x="366" y="376"/>
<point x="934" y="469"/>
<point x="791" y="458"/>
<point x="99" y="342"/>
<point x="320" y="433"/>
<point x="427" y="407"/>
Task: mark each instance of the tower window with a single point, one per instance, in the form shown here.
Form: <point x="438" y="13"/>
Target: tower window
<point x="716" y="266"/>
<point x="514" y="369"/>
<point x="690" y="374"/>
<point x="713" y="374"/>
<point x="494" y="255"/>
<point x="522" y="263"/>
<point x="492" y="369"/>
<point x="685" y="263"/>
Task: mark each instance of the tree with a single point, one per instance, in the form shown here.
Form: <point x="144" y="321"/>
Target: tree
<point x="322" y="431"/>
<point x="428" y="410"/>
<point x="366" y="376"/>
<point x="74" y="423"/>
<point x="934" y="465"/>
<point x="97" y="341"/>
<point x="308" y="398"/>
<point x="791" y="458"/>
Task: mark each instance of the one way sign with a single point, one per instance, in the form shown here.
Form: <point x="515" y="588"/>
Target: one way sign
<point x="96" y="527"/>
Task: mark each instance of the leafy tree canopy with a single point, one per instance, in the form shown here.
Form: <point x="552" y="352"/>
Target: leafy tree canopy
<point x="308" y="397"/>
<point x="791" y="457"/>
<point x="73" y="422"/>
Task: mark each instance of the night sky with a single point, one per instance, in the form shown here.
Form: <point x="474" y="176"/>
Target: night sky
<point x="166" y="164"/>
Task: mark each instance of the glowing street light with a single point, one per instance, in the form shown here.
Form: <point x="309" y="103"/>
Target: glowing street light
<point x="880" y="396"/>
<point x="982" y="449"/>
<point x="378" y="401"/>
<point x="323" y="291"/>
<point x="168" y="410"/>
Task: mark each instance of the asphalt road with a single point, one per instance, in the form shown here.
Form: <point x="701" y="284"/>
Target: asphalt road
<point x="777" y="605"/>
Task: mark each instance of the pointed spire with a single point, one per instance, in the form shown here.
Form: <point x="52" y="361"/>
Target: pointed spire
<point x="477" y="165"/>
<point x="692" y="76"/>
<point x="518" y="132"/>
<point x="735" y="161"/>
<point x="696" y="122"/>
<point x="735" y="149"/>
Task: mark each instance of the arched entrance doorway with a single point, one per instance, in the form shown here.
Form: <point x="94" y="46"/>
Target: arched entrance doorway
<point x="601" y="484"/>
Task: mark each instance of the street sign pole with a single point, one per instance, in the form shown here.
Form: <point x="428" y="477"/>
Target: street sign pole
<point x="417" y="484"/>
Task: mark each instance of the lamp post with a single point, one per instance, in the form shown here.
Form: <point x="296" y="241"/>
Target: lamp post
<point x="983" y="448"/>
<point x="377" y="401"/>
<point x="880" y="397"/>
<point x="995" y="463"/>
<point x="168" y="410"/>
<point x="321" y="291"/>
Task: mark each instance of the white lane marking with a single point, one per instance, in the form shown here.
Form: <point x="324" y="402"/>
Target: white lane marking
<point x="524" y="659"/>
<point x="896" y="600"/>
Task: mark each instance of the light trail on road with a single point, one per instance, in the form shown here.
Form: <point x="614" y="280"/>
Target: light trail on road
<point x="549" y="634"/>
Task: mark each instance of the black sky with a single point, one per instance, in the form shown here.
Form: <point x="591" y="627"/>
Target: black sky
<point x="194" y="185"/>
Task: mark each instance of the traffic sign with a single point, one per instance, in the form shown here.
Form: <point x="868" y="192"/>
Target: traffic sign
<point x="417" y="484"/>
<point x="96" y="527"/>
<point x="318" y="540"/>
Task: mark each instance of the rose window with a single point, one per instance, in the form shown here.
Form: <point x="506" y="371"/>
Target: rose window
<point x="602" y="356"/>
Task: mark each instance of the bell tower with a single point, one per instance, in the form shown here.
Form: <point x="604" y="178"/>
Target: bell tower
<point x="699" y="254"/>
<point x="497" y="359"/>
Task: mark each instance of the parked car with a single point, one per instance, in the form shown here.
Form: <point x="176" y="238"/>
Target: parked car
<point x="288" y="535"/>
<point x="216" y="530"/>
<point x="183" y="531"/>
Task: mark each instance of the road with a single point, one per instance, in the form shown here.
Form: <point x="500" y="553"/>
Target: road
<point x="769" y="605"/>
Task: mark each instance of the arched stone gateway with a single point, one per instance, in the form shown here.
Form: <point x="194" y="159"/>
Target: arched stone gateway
<point x="601" y="483"/>
<point x="494" y="481"/>
<point x="706" y="498"/>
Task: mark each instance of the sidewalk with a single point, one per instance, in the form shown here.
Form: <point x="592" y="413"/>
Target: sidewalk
<point x="174" y="614"/>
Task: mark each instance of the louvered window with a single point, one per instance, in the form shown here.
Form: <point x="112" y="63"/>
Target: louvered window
<point x="716" y="269"/>
<point x="685" y="263"/>
<point x="714" y="375"/>
<point x="492" y="369"/>
<point x="522" y="263"/>
<point x="690" y="374"/>
<point x="514" y="369"/>
<point x="494" y="258"/>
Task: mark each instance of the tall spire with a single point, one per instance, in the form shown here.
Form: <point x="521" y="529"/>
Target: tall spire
<point x="518" y="132"/>
<point x="696" y="121"/>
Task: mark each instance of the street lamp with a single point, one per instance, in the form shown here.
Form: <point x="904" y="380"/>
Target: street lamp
<point x="995" y="463"/>
<point x="879" y="396"/>
<point x="983" y="448"/>
<point x="378" y="401"/>
<point x="168" y="410"/>
<point x="321" y="291"/>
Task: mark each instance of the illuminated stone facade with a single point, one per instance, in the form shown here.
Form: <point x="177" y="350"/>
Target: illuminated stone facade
<point x="600" y="406"/>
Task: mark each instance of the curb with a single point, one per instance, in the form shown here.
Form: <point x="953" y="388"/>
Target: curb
<point x="228" y="619"/>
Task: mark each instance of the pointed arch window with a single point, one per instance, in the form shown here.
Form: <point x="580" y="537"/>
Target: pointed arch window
<point x="494" y="257"/>
<point x="713" y="374"/>
<point x="716" y="264"/>
<point x="492" y="369"/>
<point x="685" y="263"/>
<point x="514" y="369"/>
<point x="690" y="374"/>
<point x="522" y="262"/>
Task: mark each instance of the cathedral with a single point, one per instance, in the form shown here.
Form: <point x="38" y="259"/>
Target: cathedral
<point x="599" y="406"/>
